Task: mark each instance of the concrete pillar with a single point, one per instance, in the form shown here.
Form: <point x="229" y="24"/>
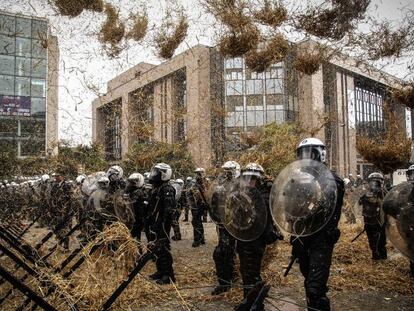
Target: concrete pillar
<point x="52" y="100"/>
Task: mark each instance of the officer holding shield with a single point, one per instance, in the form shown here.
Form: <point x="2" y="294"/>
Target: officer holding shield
<point x="321" y="207"/>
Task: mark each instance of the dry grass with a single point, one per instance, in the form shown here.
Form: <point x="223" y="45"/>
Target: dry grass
<point x="139" y="28"/>
<point x="387" y="152"/>
<point x="171" y="34"/>
<point x="405" y="95"/>
<point x="309" y="62"/>
<point x="73" y="8"/>
<point x="272" y="13"/>
<point x="112" y="31"/>
<point x="275" y="50"/>
<point x="236" y="44"/>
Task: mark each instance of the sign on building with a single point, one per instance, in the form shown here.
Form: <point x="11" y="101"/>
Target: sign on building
<point x="15" y="106"/>
<point x="399" y="176"/>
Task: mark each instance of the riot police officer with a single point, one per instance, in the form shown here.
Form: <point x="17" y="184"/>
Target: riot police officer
<point x="224" y="252"/>
<point x="187" y="186"/>
<point x="116" y="182"/>
<point x="161" y="206"/>
<point x="371" y="202"/>
<point x="135" y="194"/>
<point x="314" y="252"/>
<point x="198" y="204"/>
<point x="251" y="252"/>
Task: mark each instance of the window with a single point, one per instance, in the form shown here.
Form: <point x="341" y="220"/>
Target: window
<point x="23" y="46"/>
<point x="274" y="86"/>
<point x="38" y="49"/>
<point x="38" y="88"/>
<point x="6" y="85"/>
<point x="22" y="86"/>
<point x="8" y="127"/>
<point x="369" y="111"/>
<point x="23" y="27"/>
<point x="22" y="66"/>
<point x="38" y="108"/>
<point x="7" y="24"/>
<point x="254" y="87"/>
<point x="39" y="29"/>
<point x="32" y="147"/>
<point x="7" y="45"/>
<point x="38" y="68"/>
<point x="234" y="88"/>
<point x="6" y="64"/>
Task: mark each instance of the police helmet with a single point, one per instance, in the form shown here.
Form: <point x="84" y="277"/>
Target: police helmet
<point x="410" y="173"/>
<point x="160" y="172"/>
<point x="233" y="167"/>
<point x="115" y="173"/>
<point x="253" y="169"/>
<point x="103" y="182"/>
<point x="311" y="148"/>
<point x="137" y="179"/>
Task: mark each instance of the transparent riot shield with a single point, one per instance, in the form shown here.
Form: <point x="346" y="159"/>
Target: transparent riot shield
<point x="398" y="207"/>
<point x="245" y="211"/>
<point x="303" y="197"/>
<point x="90" y="184"/>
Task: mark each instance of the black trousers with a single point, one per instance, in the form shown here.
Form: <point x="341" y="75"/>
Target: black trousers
<point x="315" y="257"/>
<point x="377" y="240"/>
<point x="163" y="257"/>
<point x="250" y="256"/>
<point x="223" y="256"/>
<point x="176" y="223"/>
<point x="197" y="223"/>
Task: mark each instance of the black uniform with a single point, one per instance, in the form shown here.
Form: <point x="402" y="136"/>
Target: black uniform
<point x="176" y="215"/>
<point x="315" y="254"/>
<point x="374" y="223"/>
<point x="137" y="197"/>
<point x="161" y="206"/>
<point x="224" y="253"/>
<point x="198" y="205"/>
<point x="251" y="253"/>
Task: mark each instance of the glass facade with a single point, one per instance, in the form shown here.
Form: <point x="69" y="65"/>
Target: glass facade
<point x="254" y="99"/>
<point x="111" y="117"/>
<point x="23" y="76"/>
<point x="369" y="110"/>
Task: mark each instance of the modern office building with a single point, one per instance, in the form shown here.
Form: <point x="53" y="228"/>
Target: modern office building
<point x="208" y="101"/>
<point x="29" y="59"/>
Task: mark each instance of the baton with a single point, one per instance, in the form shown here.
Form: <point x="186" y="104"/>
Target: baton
<point x="292" y="261"/>
<point x="359" y="234"/>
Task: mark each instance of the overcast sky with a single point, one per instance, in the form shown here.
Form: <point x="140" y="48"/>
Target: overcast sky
<point x="82" y="63"/>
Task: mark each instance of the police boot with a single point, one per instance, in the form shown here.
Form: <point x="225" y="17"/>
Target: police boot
<point x="156" y="276"/>
<point x="318" y="303"/>
<point x="219" y="289"/>
<point x="176" y="237"/>
<point x="166" y="279"/>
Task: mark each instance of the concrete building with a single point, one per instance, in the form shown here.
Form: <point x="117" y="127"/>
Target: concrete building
<point x="208" y="101"/>
<point x="29" y="59"/>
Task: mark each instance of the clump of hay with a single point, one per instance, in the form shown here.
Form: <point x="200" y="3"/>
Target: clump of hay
<point x="387" y="152"/>
<point x="139" y="28"/>
<point x="234" y="44"/>
<point x="271" y="14"/>
<point x="274" y="51"/>
<point x="171" y="34"/>
<point x="73" y="8"/>
<point x="405" y="95"/>
<point x="385" y="42"/>
<point x="112" y="31"/>
<point x="334" y="22"/>
<point x="308" y="62"/>
<point x="231" y="13"/>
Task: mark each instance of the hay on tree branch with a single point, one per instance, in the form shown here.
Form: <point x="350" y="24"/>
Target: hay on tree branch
<point x="271" y="14"/>
<point x="73" y="8"/>
<point x="112" y="31"/>
<point x="405" y="95"/>
<point x="231" y="13"/>
<point x="308" y="62"/>
<point x="235" y="44"/>
<point x="333" y="22"/>
<point x="139" y="27"/>
<point x="170" y="35"/>
<point x="274" y="51"/>
<point x="387" y="152"/>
